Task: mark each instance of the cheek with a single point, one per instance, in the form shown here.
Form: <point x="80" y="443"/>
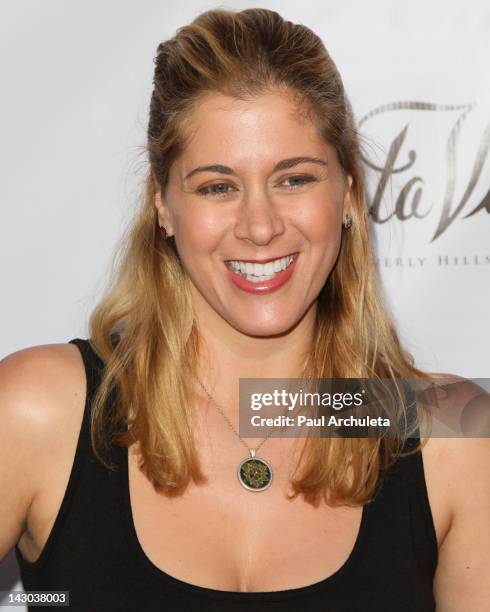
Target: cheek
<point x="197" y="232"/>
<point x="320" y="220"/>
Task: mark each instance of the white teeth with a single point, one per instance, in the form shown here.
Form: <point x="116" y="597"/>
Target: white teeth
<point x="256" y="272"/>
<point x="259" y="279"/>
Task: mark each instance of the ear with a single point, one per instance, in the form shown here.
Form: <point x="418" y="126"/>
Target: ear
<point x="164" y="215"/>
<point x="347" y="204"/>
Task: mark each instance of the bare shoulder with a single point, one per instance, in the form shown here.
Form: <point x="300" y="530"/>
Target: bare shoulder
<point x="458" y="464"/>
<point x="459" y="440"/>
<point x="42" y="396"/>
<point x="39" y="384"/>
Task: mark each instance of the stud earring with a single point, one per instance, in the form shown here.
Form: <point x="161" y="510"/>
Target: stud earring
<point x="347" y="222"/>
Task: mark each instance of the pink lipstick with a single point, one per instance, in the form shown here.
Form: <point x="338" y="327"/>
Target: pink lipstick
<point x="261" y="287"/>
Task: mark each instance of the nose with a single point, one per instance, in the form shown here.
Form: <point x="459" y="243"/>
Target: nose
<point x="258" y="219"/>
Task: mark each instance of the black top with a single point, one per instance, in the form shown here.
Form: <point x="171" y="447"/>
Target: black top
<point x="93" y="551"/>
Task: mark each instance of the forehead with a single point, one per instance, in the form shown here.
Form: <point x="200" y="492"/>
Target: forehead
<point x="271" y="126"/>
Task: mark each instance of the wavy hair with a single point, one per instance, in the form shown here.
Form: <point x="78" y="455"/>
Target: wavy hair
<point x="143" y="328"/>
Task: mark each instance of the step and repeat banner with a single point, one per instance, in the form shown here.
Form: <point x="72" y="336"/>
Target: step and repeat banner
<point x="76" y="87"/>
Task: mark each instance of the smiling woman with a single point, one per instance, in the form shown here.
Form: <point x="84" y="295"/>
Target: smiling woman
<point x="268" y="204"/>
<point x="250" y="258"/>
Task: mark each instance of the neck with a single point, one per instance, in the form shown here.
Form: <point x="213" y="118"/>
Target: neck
<point x="228" y="355"/>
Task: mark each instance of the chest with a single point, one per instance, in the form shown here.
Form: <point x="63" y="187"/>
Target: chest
<point x="222" y="536"/>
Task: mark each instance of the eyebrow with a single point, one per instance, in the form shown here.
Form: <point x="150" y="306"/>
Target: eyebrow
<point x="284" y="164"/>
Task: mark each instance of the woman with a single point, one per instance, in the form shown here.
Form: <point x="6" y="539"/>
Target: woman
<point x="129" y="497"/>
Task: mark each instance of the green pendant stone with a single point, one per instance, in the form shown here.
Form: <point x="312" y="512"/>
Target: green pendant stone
<point x="255" y="474"/>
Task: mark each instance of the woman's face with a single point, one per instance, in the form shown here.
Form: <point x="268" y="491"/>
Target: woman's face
<point x="255" y="203"/>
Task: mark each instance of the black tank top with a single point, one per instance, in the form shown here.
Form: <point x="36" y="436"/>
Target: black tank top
<point x="93" y="552"/>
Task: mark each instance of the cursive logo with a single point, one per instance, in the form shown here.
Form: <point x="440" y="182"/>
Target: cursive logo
<point x="410" y="202"/>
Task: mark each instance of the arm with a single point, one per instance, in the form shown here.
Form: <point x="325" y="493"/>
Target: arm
<point x="32" y="424"/>
<point x="462" y="580"/>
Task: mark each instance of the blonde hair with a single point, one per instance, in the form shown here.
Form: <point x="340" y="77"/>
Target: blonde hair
<point x="147" y="304"/>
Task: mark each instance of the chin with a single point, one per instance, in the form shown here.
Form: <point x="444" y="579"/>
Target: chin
<point x="263" y="329"/>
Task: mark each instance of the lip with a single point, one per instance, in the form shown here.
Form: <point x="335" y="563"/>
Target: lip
<point x="262" y="261"/>
<point x="263" y="287"/>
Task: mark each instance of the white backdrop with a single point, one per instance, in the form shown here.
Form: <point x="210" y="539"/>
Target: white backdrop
<point x="76" y="82"/>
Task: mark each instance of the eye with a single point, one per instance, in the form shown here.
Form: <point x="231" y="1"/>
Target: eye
<point x="217" y="189"/>
<point x="298" y="181"/>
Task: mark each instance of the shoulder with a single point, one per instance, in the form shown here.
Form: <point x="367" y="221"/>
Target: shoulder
<point x="39" y="383"/>
<point x="458" y="458"/>
<point x="42" y="396"/>
<point x="458" y="441"/>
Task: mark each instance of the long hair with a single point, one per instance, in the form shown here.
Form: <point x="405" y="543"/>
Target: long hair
<point x="143" y="328"/>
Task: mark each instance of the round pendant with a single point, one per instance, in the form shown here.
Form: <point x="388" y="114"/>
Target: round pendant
<point x="255" y="474"/>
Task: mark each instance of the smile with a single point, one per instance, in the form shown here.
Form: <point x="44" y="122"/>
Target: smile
<point x="261" y="278"/>
<point x="260" y="272"/>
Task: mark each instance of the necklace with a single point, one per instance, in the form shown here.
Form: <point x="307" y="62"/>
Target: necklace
<point x="254" y="473"/>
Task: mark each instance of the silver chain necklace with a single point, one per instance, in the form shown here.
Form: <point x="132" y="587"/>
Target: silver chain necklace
<point x="254" y="473"/>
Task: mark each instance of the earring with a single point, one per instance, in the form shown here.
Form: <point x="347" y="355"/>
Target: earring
<point x="163" y="232"/>
<point x="347" y="222"/>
